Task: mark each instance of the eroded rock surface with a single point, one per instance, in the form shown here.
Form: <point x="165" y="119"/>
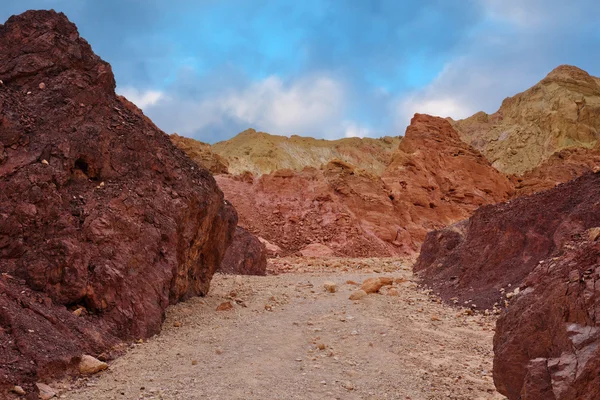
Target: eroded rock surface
<point x="245" y="256"/>
<point x="98" y="210"/>
<point x="501" y="244"/>
<point x="201" y="153"/>
<point x="561" y="111"/>
<point x="547" y="345"/>
<point x="261" y="153"/>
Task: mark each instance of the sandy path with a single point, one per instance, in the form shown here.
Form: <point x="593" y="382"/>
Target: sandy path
<point x="381" y="347"/>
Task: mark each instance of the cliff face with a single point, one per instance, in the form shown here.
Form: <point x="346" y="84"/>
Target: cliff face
<point x="201" y="153"/>
<point x="260" y="153"/>
<point x="98" y="210"/>
<point x="436" y="179"/>
<point x="562" y="111"/>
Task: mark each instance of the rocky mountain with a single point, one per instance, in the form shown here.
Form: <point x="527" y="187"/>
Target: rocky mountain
<point x="433" y="179"/>
<point x="560" y="112"/>
<point x="261" y="153"/>
<point x="103" y="222"/>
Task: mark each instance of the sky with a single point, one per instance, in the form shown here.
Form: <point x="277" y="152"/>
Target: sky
<point x="209" y="69"/>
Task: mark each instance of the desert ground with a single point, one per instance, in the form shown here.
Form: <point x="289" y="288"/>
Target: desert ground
<point x="287" y="337"/>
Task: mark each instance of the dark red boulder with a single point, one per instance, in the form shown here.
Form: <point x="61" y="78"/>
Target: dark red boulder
<point x="97" y="208"/>
<point x="246" y="255"/>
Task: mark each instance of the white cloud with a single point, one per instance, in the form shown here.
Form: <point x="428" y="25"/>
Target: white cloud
<point x="353" y="129"/>
<point x="142" y="99"/>
<point x="307" y="106"/>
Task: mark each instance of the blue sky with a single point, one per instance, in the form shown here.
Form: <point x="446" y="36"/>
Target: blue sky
<point x="209" y="69"/>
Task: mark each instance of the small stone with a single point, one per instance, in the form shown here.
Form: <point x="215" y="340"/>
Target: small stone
<point x="194" y="362"/>
<point x="28" y="93"/>
<point x="18" y="390"/>
<point x="45" y="162"/>
<point x="386" y="280"/>
<point x="321" y="346"/>
<point x="435" y="318"/>
<point x="78" y="312"/>
<point x="42" y="86"/>
<point x="226" y="306"/>
<point x="593" y="234"/>
<point x="177" y="324"/>
<point x="371" y="285"/>
<point x="219" y="350"/>
<point x="330" y="287"/>
<point x="351" y="283"/>
<point x="348" y="385"/>
<point x="46" y="392"/>
<point x="91" y="365"/>
<point x="268" y="307"/>
<point x="358" y="294"/>
<point x="393" y="292"/>
<point x="101" y="184"/>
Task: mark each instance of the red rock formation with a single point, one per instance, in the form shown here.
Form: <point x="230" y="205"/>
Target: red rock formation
<point x="547" y="345"/>
<point x="436" y="179"/>
<point x="501" y="244"/>
<point x="97" y="208"/>
<point x="245" y="256"/>
<point x="293" y="210"/>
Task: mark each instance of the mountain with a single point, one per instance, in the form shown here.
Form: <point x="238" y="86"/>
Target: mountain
<point x="560" y="112"/>
<point x="261" y="153"/>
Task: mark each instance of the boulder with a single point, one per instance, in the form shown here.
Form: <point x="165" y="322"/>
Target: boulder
<point x="245" y="256"/>
<point x="98" y="209"/>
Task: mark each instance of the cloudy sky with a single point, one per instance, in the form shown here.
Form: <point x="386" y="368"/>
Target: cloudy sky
<point x="209" y="69"/>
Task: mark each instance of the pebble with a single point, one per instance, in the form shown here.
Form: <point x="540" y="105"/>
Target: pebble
<point x="226" y="306"/>
<point x="46" y="392"/>
<point x="18" y="390"/>
<point x="91" y="365"/>
<point x="358" y="294"/>
<point x="330" y="287"/>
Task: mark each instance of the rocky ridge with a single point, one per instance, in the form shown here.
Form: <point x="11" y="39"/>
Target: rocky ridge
<point x="561" y="111"/>
<point x="261" y="153"/>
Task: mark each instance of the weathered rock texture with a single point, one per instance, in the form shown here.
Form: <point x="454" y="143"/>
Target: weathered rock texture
<point x="293" y="210"/>
<point x="501" y="244"/>
<point x="245" y="256"/>
<point x="547" y="345"/>
<point x="436" y="179"/>
<point x="201" y="153"/>
<point x="433" y="179"/>
<point x="562" y="111"/>
<point x="97" y="207"/>
<point x="261" y="153"/>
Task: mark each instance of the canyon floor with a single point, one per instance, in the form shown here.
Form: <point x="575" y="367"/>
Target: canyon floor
<point x="286" y="337"/>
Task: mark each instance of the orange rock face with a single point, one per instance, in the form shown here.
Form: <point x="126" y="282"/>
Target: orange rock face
<point x="436" y="179"/>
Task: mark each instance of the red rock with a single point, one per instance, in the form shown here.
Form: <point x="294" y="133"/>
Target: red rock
<point x="435" y="180"/>
<point x="501" y="244"/>
<point x="152" y="235"/>
<point x="245" y="256"/>
<point x="226" y="306"/>
<point x="547" y="346"/>
<point x="316" y="250"/>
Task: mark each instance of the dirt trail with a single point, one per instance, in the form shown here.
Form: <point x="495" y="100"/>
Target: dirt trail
<point x="287" y="338"/>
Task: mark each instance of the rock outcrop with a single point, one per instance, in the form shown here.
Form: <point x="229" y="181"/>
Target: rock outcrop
<point x="261" y="153"/>
<point x="245" y="256"/>
<point x="547" y="346"/>
<point x="562" y="111"/>
<point x="99" y="213"/>
<point x="484" y="258"/>
<point x="201" y="153"/>
<point x="436" y="179"/>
